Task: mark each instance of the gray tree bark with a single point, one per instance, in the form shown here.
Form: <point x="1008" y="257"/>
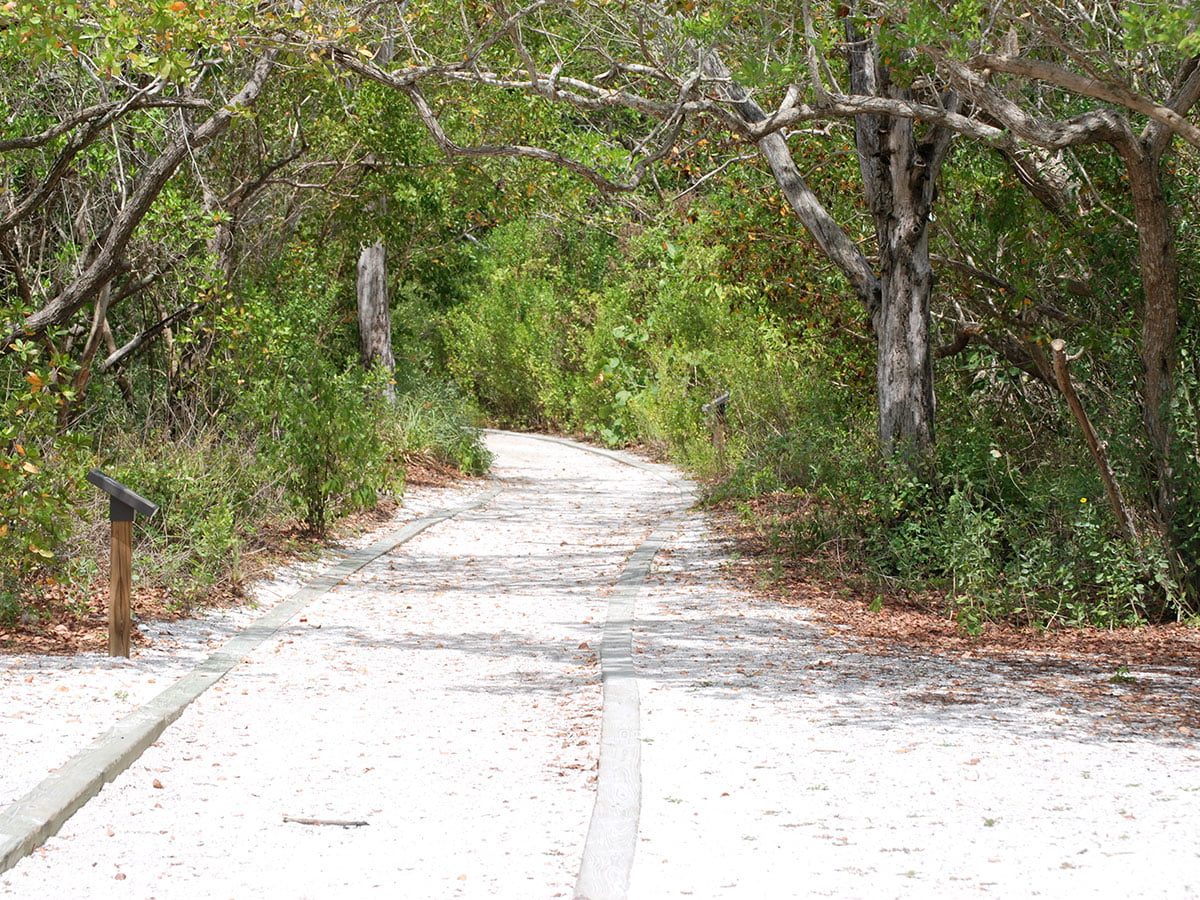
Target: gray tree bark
<point x="899" y="172"/>
<point x="829" y="235"/>
<point x="1160" y="321"/>
<point x="374" y="316"/>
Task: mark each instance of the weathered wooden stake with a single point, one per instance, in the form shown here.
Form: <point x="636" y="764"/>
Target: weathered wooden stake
<point x="719" y="439"/>
<point x="715" y="409"/>
<point x="1096" y="446"/>
<point x="120" y="582"/>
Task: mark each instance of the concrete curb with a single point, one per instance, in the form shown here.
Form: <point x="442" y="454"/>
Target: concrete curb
<point x="28" y="822"/>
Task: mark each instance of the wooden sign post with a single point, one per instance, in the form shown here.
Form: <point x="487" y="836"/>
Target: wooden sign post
<point x="715" y="409"/>
<point x="122" y="505"/>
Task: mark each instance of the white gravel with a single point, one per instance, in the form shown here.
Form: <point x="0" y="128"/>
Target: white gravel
<point x="449" y="696"/>
<point x="781" y="759"/>
<point x="51" y="707"/>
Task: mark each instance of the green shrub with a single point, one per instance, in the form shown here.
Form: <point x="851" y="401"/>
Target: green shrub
<point x="329" y="450"/>
<point x="434" y="418"/>
<point x="631" y="349"/>
<point x="335" y="447"/>
<point x="212" y="492"/>
<point x="511" y="345"/>
<point x="1053" y="557"/>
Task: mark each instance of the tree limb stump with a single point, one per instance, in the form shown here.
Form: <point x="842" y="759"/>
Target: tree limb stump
<point x="374" y="317"/>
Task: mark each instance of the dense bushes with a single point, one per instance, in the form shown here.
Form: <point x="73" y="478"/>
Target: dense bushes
<point x="257" y="411"/>
<point x="435" y="419"/>
<point x="335" y="447"/>
<point x="329" y="450"/>
<point x="213" y="492"/>
<point x="1009" y="523"/>
<point x="39" y="477"/>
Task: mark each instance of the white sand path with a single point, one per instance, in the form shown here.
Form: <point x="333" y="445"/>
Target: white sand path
<point x="781" y="759"/>
<point x="449" y="695"/>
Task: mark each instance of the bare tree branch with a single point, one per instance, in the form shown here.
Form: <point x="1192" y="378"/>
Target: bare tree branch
<point x="514" y="151"/>
<point x="149" y="184"/>
<point x="851" y="105"/>
<point x="1157" y="135"/>
<point x="119" y="356"/>
<point x="1094" y="127"/>
<point x="825" y="230"/>
<point x="1087" y="86"/>
<point x="100" y="110"/>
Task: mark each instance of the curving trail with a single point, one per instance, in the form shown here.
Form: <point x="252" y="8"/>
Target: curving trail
<point x="449" y="694"/>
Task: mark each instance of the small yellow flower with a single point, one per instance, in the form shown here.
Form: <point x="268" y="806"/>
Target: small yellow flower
<point x="1083" y="499"/>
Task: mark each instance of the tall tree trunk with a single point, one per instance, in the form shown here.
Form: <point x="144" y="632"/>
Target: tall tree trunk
<point x="904" y="364"/>
<point x="1160" y="320"/>
<point x="899" y="174"/>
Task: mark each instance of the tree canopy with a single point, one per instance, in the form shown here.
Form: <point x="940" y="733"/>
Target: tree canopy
<point x="869" y="221"/>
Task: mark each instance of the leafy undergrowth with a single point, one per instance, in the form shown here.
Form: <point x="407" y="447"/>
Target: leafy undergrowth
<point x="929" y="619"/>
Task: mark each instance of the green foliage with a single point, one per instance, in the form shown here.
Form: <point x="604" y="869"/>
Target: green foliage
<point x="956" y="24"/>
<point x="514" y="345"/>
<point x="329" y="452"/>
<point x="1162" y="22"/>
<point x="39" y="476"/>
<point x="153" y="38"/>
<point x="334" y="447"/>
<point x="435" y="419"/>
<point x="1186" y="420"/>
<point x="630" y="348"/>
<point x="212" y="493"/>
<point x="1016" y="545"/>
<point x="335" y="443"/>
<point x="620" y="328"/>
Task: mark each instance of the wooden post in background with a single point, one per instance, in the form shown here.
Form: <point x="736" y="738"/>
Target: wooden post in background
<point x="120" y="581"/>
<point x="719" y="438"/>
<point x="715" y="410"/>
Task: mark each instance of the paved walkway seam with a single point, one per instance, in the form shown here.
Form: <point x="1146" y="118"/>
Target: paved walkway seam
<point x="28" y="822"/>
<point x="612" y="835"/>
<point x="611" y="843"/>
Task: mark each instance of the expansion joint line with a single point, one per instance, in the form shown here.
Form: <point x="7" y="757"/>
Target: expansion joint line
<point x="611" y="842"/>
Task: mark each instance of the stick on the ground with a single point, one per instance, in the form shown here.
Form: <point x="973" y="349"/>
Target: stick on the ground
<point x="345" y="823"/>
